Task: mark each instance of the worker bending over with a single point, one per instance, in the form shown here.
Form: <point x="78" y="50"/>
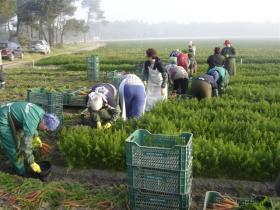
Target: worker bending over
<point x="132" y="96"/>
<point x="25" y="117"/>
<point x="103" y="105"/>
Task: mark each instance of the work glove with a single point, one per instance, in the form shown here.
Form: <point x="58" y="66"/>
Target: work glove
<point x="227" y="55"/>
<point x="107" y="125"/>
<point x="35" y="167"/>
<point x="38" y="141"/>
<point x="98" y="125"/>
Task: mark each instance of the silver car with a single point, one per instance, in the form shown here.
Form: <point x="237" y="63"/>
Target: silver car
<point x="40" y="46"/>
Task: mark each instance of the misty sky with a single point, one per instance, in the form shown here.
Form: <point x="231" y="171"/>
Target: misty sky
<point x="186" y="11"/>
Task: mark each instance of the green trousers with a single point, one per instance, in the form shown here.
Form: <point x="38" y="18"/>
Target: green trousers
<point x="201" y="89"/>
<point x="8" y="143"/>
<point x="230" y="65"/>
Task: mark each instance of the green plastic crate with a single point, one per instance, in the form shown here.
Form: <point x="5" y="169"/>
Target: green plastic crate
<point x="50" y="102"/>
<point x="74" y="99"/>
<point x="93" y="68"/>
<point x="147" y="150"/>
<point x="212" y="197"/>
<point x="148" y="200"/>
<point x="40" y="96"/>
<point x="80" y="101"/>
<point x="167" y="181"/>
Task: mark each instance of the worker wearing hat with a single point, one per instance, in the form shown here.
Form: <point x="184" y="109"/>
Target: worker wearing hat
<point x="25" y="117"/>
<point x="103" y="106"/>
<point x="230" y="54"/>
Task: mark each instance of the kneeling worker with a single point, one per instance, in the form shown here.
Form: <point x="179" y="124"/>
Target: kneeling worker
<point x="103" y="106"/>
<point x="26" y="117"/>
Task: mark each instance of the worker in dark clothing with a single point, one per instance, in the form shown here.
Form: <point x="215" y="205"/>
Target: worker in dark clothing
<point x="216" y="60"/>
<point x="204" y="86"/>
<point x="230" y="54"/>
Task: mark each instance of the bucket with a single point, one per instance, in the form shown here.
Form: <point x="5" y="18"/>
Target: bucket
<point x="46" y="168"/>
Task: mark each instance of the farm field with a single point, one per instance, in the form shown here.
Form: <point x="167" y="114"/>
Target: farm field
<point x="236" y="136"/>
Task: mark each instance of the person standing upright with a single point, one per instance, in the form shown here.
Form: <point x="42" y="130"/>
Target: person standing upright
<point x="155" y="79"/>
<point x="230" y="54"/>
<point x="192" y="48"/>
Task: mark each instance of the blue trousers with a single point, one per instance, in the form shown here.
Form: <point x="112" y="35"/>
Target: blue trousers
<point x="134" y="96"/>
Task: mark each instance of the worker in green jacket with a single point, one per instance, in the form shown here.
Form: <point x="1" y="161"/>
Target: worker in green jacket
<point x="25" y="117"/>
<point x="230" y="54"/>
<point x="220" y="76"/>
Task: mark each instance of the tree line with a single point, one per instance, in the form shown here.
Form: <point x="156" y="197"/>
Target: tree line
<point x="50" y="20"/>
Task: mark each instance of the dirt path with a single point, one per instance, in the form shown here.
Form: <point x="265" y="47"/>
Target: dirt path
<point x="30" y="62"/>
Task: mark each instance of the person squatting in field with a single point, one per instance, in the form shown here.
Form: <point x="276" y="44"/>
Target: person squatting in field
<point x="204" y="86"/>
<point x="132" y="96"/>
<point x="178" y="77"/>
<point x="230" y="54"/>
<point x="23" y="118"/>
<point x="103" y="105"/>
<point x="155" y="79"/>
<point x="214" y="81"/>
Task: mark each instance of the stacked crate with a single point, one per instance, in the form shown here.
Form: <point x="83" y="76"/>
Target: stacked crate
<point x="159" y="170"/>
<point x="51" y="102"/>
<point x="93" y="68"/>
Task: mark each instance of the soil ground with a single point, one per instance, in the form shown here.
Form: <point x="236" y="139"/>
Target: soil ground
<point x="200" y="186"/>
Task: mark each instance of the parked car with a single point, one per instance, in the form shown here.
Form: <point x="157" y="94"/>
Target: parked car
<point x="11" y="50"/>
<point x="40" y="46"/>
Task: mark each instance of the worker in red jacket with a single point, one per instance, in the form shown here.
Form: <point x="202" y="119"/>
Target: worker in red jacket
<point x="183" y="60"/>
